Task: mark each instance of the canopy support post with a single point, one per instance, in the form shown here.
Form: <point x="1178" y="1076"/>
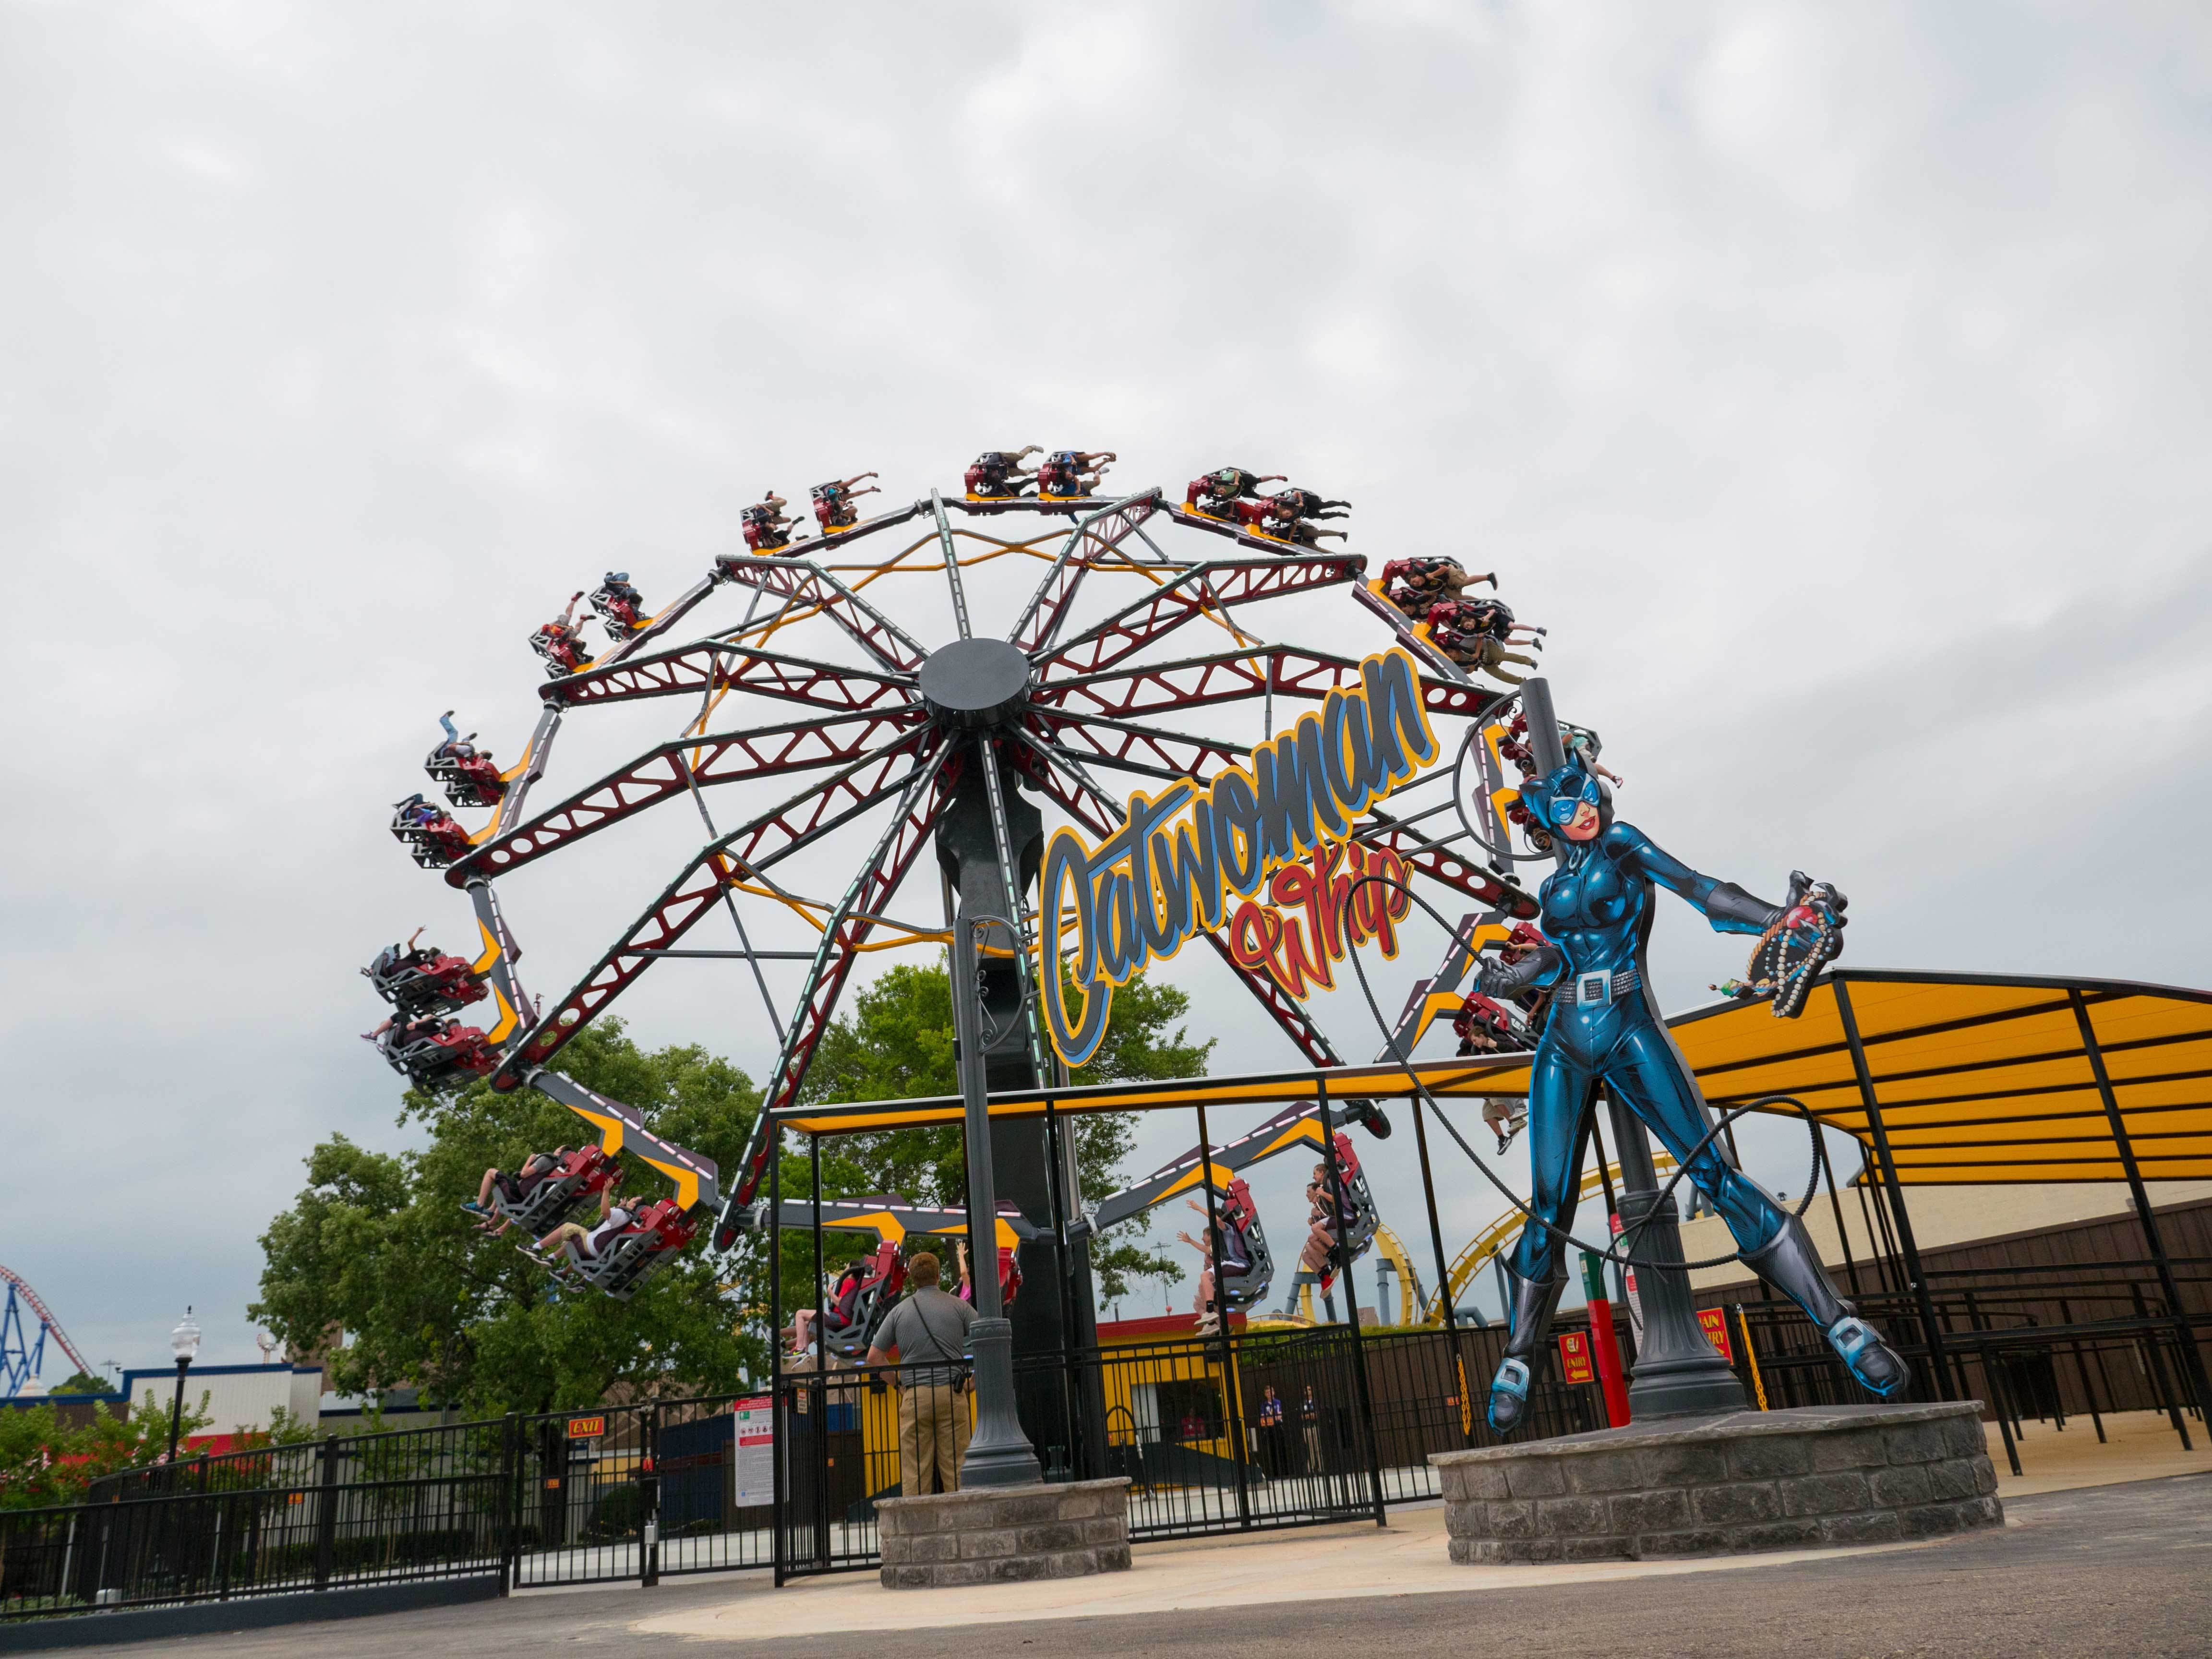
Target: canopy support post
<point x="2191" y="1357"/>
<point x="1930" y="1331"/>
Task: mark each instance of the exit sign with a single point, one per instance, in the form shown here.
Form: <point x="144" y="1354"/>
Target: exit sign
<point x="1575" y="1356"/>
<point x="586" y="1428"/>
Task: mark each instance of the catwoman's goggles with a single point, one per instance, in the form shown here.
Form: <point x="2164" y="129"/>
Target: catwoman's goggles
<point x="1563" y="808"/>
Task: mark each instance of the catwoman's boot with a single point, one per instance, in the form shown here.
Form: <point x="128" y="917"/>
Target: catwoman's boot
<point x="1527" y="1313"/>
<point x="1789" y="1263"/>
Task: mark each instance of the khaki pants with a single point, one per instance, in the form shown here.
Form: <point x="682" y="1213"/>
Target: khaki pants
<point x="933" y="1430"/>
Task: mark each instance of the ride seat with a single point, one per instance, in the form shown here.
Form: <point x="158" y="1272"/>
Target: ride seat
<point x="1358" y="1232"/>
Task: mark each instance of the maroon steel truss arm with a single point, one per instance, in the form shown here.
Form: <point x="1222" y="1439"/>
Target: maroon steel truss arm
<point x="765" y="841"/>
<point x="719" y="665"/>
<point x="1098" y="534"/>
<point x="1232" y="676"/>
<point x="1212" y="586"/>
<point x="658" y="774"/>
<point x="928" y="794"/>
<point x="660" y="621"/>
<point x="1133" y="748"/>
<point x="807" y="585"/>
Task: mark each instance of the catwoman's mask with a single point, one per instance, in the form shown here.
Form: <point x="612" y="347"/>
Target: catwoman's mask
<point x="1565" y="805"/>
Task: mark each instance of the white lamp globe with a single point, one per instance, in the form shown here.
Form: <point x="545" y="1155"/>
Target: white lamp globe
<point x="184" y="1340"/>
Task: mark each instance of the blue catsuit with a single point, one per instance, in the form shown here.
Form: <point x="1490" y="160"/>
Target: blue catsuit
<point x="1597" y="911"/>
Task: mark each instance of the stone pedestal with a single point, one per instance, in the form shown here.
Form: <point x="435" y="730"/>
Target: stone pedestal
<point x="1731" y="1484"/>
<point x="998" y="1534"/>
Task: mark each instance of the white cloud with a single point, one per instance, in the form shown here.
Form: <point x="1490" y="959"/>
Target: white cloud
<point x="1829" y="381"/>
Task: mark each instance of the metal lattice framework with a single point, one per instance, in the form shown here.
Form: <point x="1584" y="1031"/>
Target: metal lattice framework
<point x="18" y="1356"/>
<point x="1127" y="643"/>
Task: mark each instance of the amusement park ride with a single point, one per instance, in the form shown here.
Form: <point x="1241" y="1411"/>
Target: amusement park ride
<point x="21" y="1357"/>
<point x="1148" y="612"/>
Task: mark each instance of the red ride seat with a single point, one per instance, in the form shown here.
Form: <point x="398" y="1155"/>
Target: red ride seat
<point x="454" y="983"/>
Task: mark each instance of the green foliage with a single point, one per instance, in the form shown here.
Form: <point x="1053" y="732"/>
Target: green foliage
<point x="377" y="1247"/>
<point x="43" y="1460"/>
<point x="80" y="1382"/>
<point x="896" y="1044"/>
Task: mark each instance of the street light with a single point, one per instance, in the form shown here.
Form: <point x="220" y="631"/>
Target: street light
<point x="999" y="1454"/>
<point x="185" y="1343"/>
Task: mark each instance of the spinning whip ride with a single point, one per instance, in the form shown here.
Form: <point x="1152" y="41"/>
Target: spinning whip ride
<point x="1144" y="641"/>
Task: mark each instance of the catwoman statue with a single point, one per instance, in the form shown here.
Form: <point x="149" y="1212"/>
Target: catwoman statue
<point x="1604" y="1028"/>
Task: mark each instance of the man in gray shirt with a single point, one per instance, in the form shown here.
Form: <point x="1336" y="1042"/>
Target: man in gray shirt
<point x="933" y="1410"/>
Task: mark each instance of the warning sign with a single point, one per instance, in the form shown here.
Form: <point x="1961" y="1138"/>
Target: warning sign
<point x="753" y="1425"/>
<point x="1714" y="1320"/>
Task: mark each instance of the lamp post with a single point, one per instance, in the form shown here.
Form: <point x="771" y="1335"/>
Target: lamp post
<point x="999" y="1454"/>
<point x="185" y="1343"/>
<point x="1678" y="1372"/>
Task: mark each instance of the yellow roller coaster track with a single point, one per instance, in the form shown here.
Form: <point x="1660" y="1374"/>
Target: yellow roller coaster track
<point x="1501" y="1233"/>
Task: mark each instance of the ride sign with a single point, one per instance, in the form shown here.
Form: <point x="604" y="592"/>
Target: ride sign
<point x="1196" y="857"/>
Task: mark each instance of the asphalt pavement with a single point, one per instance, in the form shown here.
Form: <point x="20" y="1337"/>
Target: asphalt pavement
<point x="2119" y="1570"/>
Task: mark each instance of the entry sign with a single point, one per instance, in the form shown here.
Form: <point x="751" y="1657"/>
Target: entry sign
<point x="586" y="1428"/>
<point x="1575" y="1356"/>
<point x="753" y="1428"/>
<point x="1714" y="1320"/>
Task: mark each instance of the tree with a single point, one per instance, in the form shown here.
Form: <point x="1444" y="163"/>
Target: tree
<point x="377" y="1267"/>
<point x="896" y="1044"/>
<point x="378" y="1248"/>
<point x="80" y="1382"/>
<point x="45" y="1460"/>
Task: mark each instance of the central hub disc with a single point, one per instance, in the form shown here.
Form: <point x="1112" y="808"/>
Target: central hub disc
<point x="975" y="683"/>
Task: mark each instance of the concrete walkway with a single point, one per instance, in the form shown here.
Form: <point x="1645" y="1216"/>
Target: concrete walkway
<point x="1251" y="1570"/>
<point x="2095" y="1572"/>
<point x="2069" y="1513"/>
<point x="1318" y="1563"/>
<point x="2140" y="1446"/>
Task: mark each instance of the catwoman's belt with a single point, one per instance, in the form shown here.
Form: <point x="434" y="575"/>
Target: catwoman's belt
<point x="1604" y="987"/>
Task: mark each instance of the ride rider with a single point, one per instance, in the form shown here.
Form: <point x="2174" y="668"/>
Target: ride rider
<point x="1475" y="634"/>
<point x="621" y="606"/>
<point x="615" y="1219"/>
<point x="560" y="641"/>
<point x="471" y="775"/>
<point x="1216" y="492"/>
<point x="1416" y="585"/>
<point x="833" y="502"/>
<point x="1605" y="1029"/>
<point x="1293" y="514"/>
<point x="998" y="474"/>
<point x="767" y="525"/>
<point x="1069" y="473"/>
<point x="1235" y="1257"/>
<point x="535" y="1171"/>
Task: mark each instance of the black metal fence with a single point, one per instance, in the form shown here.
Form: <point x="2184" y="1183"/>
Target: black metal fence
<point x="319" y="1516"/>
<point x="1254" y="1430"/>
<point x="2042" y="1343"/>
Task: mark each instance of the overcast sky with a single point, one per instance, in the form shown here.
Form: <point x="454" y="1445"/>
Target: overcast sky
<point x="1830" y="381"/>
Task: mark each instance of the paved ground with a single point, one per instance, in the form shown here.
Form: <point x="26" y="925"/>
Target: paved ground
<point x="2114" y="1570"/>
<point x="2137" y="1445"/>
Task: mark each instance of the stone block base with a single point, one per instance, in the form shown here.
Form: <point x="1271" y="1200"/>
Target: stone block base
<point x="1731" y="1484"/>
<point x="1002" y="1534"/>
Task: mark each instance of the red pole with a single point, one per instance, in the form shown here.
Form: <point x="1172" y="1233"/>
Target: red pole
<point x="1607" y="1346"/>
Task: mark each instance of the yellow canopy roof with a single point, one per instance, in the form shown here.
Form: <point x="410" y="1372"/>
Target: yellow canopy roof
<point x="1977" y="1078"/>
